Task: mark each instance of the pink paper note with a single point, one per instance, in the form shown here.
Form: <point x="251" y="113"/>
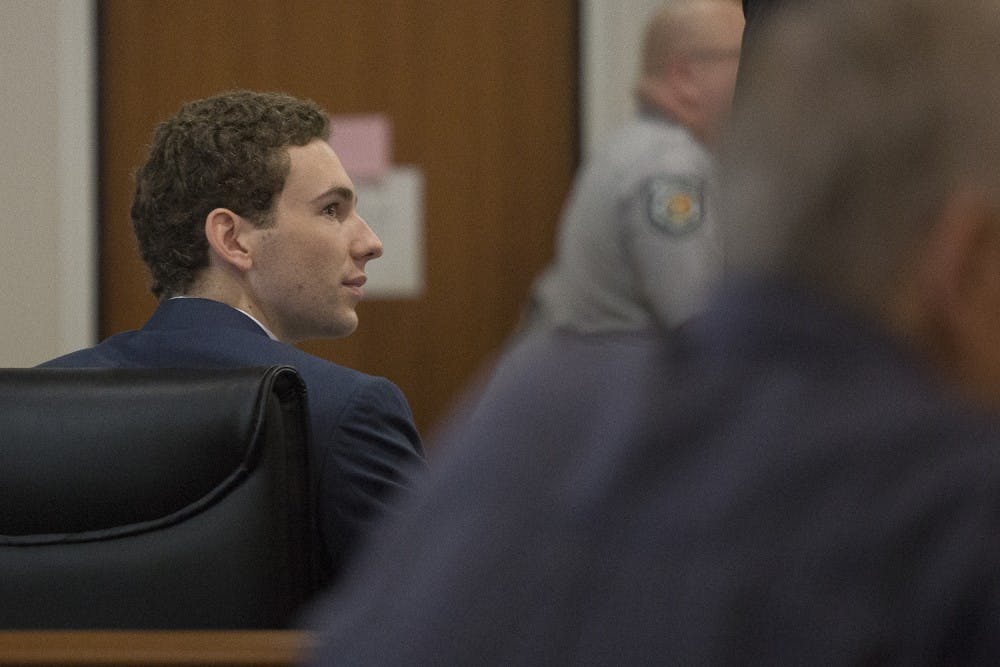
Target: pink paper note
<point x="364" y="144"/>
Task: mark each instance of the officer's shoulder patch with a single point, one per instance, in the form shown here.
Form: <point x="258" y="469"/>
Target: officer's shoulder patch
<point x="674" y="204"/>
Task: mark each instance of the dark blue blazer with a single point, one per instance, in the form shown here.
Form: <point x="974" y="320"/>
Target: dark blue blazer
<point x="365" y="447"/>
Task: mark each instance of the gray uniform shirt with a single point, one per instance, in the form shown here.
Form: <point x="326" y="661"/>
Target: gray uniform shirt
<point x="637" y="247"/>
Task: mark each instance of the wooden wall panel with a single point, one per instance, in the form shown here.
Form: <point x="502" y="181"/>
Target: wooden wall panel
<point x="482" y="96"/>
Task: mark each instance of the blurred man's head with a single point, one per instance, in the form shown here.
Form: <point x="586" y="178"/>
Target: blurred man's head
<point x="865" y="161"/>
<point x="690" y="56"/>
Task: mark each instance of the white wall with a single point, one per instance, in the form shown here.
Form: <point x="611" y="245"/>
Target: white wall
<point x="47" y="179"/>
<point x="610" y="41"/>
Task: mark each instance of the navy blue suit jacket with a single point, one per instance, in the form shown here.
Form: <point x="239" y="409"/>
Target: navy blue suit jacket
<point x="364" y="446"/>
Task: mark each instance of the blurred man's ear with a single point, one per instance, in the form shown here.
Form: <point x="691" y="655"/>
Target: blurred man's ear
<point x="959" y="277"/>
<point x="227" y="235"/>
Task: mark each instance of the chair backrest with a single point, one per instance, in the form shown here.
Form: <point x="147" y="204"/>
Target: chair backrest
<point x="154" y="498"/>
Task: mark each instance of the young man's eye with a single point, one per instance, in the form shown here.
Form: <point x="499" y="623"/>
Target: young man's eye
<point x="332" y="209"/>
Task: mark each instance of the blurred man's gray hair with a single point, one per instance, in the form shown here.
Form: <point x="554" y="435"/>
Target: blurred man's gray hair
<point x="858" y="122"/>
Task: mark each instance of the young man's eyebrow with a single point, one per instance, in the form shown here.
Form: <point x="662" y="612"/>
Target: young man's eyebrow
<point x="340" y="191"/>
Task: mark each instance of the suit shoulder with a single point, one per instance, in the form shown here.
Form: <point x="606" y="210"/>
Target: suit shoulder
<point x="320" y="372"/>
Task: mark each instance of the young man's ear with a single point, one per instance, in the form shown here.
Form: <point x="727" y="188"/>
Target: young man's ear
<point x="228" y="238"/>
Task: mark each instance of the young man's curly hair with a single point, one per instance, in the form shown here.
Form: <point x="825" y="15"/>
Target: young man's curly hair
<point x="227" y="151"/>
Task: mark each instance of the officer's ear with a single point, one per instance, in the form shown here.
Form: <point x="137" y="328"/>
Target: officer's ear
<point x="684" y="78"/>
<point x="673" y="89"/>
<point x="230" y="238"/>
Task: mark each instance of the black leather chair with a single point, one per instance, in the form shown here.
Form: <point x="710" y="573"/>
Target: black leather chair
<point x="154" y="499"/>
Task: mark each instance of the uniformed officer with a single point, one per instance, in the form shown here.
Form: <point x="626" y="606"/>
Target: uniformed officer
<point x="637" y="246"/>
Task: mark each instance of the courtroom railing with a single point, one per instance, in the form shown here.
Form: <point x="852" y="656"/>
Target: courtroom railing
<point x="154" y="648"/>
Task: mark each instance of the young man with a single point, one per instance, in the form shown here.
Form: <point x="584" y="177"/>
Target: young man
<point x="247" y="221"/>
